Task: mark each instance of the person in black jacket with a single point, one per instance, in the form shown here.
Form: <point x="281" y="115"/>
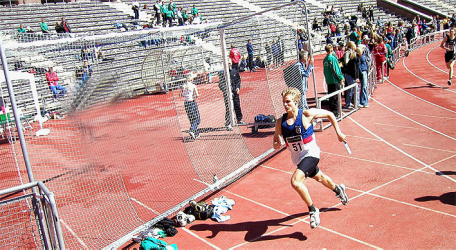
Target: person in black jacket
<point x="235" y="79"/>
<point x="351" y="69"/>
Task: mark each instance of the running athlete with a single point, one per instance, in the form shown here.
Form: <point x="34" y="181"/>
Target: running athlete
<point x="296" y="128"/>
<point x="448" y="44"/>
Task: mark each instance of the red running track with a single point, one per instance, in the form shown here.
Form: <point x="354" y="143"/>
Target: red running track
<point x="400" y="177"/>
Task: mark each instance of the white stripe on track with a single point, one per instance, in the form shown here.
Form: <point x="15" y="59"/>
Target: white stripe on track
<point x="203" y="240"/>
<point x="393" y="125"/>
<point x="427" y="59"/>
<point x="433" y="116"/>
<point x="405" y="203"/>
<point x="376" y="162"/>
<point x="436" y="131"/>
<point x="302" y="220"/>
<point x="433" y="84"/>
<point x="365" y="138"/>
<point x="142" y="204"/>
<point x="402" y="151"/>
<point x="421" y="99"/>
<point x="74" y="234"/>
<point x="418" y="146"/>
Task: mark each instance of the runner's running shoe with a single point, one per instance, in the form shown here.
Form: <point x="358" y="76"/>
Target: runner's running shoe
<point x="315" y="219"/>
<point x="449" y="82"/>
<point x="343" y="195"/>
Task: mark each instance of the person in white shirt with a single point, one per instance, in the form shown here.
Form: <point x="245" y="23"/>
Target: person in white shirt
<point x="190" y="93"/>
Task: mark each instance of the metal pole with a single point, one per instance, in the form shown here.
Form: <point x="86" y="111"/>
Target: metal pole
<point x="311" y="55"/>
<point x="226" y="71"/>
<point x="16" y="114"/>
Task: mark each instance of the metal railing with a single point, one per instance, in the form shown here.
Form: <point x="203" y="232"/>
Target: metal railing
<point x="30" y="218"/>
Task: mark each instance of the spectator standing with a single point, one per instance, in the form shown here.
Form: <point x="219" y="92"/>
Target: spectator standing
<point x="445" y="23"/>
<point x="135" y="8"/>
<point x="305" y="68"/>
<point x="235" y="88"/>
<point x="379" y="52"/>
<point x="170" y="15"/>
<point x="351" y="69"/>
<point x="65" y="26"/>
<point x="448" y="44"/>
<point x="157" y="6"/>
<point x="333" y="77"/>
<point x="190" y="92"/>
<point x="437" y="20"/>
<point x="364" y="70"/>
<point x="194" y="11"/>
<point x="275" y="53"/>
<point x="268" y="49"/>
<point x="185" y="17"/>
<point x="52" y="79"/>
<point x="179" y="16"/>
<point x="164" y="12"/>
<point x="250" y="54"/>
<point x="371" y="13"/>
<point x="235" y="56"/>
<point x="84" y="74"/>
<point x="282" y="50"/>
<point x="44" y="27"/>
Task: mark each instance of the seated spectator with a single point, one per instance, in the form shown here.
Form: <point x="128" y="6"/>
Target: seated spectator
<point x="97" y="52"/>
<point x="21" y="29"/>
<point x="65" y="25"/>
<point x="258" y="63"/>
<point x="315" y="25"/>
<point x="243" y="65"/>
<point x="328" y="39"/>
<point x="44" y="27"/>
<point x="84" y="74"/>
<point x="85" y="53"/>
<point x="185" y="17"/>
<point x="59" y="28"/>
<point x="52" y="79"/>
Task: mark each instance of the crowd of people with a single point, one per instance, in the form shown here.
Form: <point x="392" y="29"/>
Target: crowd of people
<point x="167" y="14"/>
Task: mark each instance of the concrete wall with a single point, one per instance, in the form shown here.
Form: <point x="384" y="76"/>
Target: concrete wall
<point x="396" y="8"/>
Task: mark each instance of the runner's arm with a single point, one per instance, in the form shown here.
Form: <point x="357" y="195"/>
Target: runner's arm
<point x="321" y="113"/>
<point x="278" y="134"/>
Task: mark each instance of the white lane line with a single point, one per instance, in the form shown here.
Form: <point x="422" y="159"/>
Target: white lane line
<point x="283" y="171"/>
<point x="203" y="240"/>
<point x="438" y="132"/>
<point x="188" y="231"/>
<point x="421" y="99"/>
<point x="303" y="220"/>
<point x="433" y="84"/>
<point x="402" y="202"/>
<point x="427" y="59"/>
<point x="405" y="203"/>
<point x="142" y="204"/>
<point x="402" y="151"/>
<point x="433" y="116"/>
<point x="437" y="162"/>
<point x="393" y="125"/>
<point x="362" y="137"/>
<point x="376" y="162"/>
<point x="74" y="234"/>
<point x="418" y="146"/>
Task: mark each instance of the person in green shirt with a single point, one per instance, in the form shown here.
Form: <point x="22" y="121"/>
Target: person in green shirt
<point x="333" y="77"/>
<point x="164" y="11"/>
<point x="194" y="11"/>
<point x="170" y="17"/>
<point x="21" y="29"/>
<point x="185" y="16"/>
<point x="44" y="27"/>
<point x="172" y="6"/>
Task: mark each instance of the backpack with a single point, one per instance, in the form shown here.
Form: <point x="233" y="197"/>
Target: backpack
<point x="265" y="119"/>
<point x="168" y="226"/>
<point x="201" y="210"/>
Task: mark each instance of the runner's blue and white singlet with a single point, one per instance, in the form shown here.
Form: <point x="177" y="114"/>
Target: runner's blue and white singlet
<point x="300" y="141"/>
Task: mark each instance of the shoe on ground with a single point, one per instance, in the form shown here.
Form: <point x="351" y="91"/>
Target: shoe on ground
<point x="197" y="136"/>
<point x="365" y="106"/>
<point x="315" y="219"/>
<point x="192" y="135"/>
<point x="343" y="195"/>
<point x="241" y="123"/>
<point x="190" y="218"/>
<point x="181" y="219"/>
<point x="449" y="82"/>
<point x="229" y="128"/>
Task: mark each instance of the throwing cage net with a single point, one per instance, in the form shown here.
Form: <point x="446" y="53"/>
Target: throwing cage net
<point x="126" y="148"/>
